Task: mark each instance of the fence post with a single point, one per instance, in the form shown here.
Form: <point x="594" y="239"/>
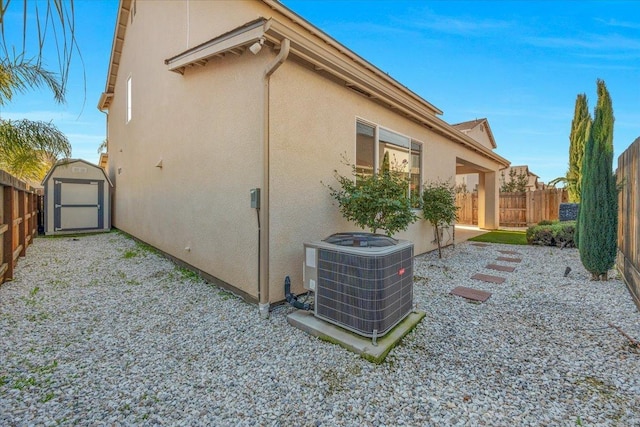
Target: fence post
<point x="8" y="236"/>
<point x="22" y="224"/>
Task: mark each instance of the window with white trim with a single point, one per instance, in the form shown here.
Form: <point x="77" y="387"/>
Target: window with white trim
<point x="129" y="99"/>
<point x="373" y="143"/>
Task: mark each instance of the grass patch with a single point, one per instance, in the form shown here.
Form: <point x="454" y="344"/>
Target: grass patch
<point x="502" y="236"/>
<point x="187" y="274"/>
<point x="130" y="254"/>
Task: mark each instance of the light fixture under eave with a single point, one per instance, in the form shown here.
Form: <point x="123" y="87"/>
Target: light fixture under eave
<point x="257" y="46"/>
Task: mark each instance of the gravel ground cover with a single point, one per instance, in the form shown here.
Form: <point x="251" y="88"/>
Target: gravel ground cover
<point x="99" y="330"/>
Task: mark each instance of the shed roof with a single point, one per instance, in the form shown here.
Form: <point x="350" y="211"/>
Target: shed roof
<point x="63" y="162"/>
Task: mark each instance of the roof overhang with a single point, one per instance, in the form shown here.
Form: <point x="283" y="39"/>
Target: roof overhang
<point x="104" y="160"/>
<point x="313" y="48"/>
<point x="116" y="53"/>
<point x="234" y="42"/>
<point x="334" y="63"/>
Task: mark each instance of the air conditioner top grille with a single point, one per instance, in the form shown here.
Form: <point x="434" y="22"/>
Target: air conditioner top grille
<point x="361" y="240"/>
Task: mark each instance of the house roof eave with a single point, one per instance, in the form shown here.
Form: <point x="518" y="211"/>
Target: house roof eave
<point x="116" y="51"/>
<point x="234" y="41"/>
<point x="331" y="42"/>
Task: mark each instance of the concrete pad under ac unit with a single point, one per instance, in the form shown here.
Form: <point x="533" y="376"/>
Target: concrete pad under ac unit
<point x="307" y="322"/>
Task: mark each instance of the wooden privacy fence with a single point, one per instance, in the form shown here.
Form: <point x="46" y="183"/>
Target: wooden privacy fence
<point x="18" y="222"/>
<point x="628" y="258"/>
<point x="516" y="209"/>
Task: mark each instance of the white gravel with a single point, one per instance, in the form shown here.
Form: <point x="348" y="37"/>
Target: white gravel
<point x="100" y="331"/>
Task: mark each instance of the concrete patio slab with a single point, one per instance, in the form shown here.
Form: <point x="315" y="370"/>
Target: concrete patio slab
<point x="307" y="322"/>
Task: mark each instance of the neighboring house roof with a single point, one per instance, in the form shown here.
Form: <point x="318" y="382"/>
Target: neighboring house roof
<point x="466" y="127"/>
<point x="524" y="169"/>
<point x="70" y="161"/>
<point x="310" y="45"/>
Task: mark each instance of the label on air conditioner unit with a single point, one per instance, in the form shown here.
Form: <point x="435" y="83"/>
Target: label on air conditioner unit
<point x="312" y="285"/>
<point x="311" y="257"/>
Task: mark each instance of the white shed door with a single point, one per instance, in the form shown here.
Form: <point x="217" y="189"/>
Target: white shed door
<point x="78" y="205"/>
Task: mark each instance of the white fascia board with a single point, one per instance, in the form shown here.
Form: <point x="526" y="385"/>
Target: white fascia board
<point x="237" y="39"/>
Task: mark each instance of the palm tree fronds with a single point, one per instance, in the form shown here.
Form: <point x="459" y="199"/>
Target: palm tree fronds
<point x="29" y="148"/>
<point x="19" y="76"/>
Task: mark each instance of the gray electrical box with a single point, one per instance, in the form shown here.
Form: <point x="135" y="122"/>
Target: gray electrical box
<point x="255" y="198"/>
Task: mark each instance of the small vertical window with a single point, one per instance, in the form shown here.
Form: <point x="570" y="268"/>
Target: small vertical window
<point x="365" y="146"/>
<point x="415" y="178"/>
<point x="129" y="99"/>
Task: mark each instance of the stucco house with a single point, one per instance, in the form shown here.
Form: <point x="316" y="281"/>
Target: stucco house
<point x="533" y="180"/>
<point x="479" y="130"/>
<point x="209" y="100"/>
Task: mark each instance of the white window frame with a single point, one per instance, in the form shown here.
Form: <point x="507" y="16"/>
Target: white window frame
<point x="376" y="149"/>
<point x="129" y="108"/>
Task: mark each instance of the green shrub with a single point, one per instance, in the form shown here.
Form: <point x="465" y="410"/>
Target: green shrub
<point x="439" y="207"/>
<point x="564" y="234"/>
<point x="545" y="222"/>
<point x="555" y="234"/>
<point x="376" y="202"/>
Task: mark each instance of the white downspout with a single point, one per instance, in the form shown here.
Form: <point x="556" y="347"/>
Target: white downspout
<point x="263" y="292"/>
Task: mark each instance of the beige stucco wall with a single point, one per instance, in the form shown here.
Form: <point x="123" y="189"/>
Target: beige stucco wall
<point x="308" y="135"/>
<point x="480" y="134"/>
<point x="75" y="170"/>
<point x="205" y="126"/>
<point x="207" y="129"/>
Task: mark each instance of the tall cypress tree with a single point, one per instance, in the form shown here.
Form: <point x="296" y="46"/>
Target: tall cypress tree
<point x="580" y="127"/>
<point x="598" y="217"/>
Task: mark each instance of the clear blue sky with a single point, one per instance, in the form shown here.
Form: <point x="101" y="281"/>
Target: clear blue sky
<point x="519" y="64"/>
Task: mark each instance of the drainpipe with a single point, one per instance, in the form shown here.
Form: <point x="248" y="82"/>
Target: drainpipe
<point x="263" y="292"/>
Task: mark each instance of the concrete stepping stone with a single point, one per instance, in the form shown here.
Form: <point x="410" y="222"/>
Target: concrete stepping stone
<point x="488" y="278"/>
<point x="509" y="252"/>
<point x="481" y="245"/>
<point x="470" y="293"/>
<point x="499" y="267"/>
<point x="507" y="259"/>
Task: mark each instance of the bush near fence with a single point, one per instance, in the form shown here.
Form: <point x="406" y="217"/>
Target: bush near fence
<point x="18" y="222"/>
<point x="552" y="233"/>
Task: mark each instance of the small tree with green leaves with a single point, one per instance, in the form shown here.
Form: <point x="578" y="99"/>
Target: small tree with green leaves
<point x="439" y="207"/>
<point x="375" y="202"/>
<point x="597" y="224"/>
<point x="517" y="182"/>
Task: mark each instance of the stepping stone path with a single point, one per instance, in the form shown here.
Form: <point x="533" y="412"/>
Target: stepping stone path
<point x="471" y="294"/>
<point x="482" y="296"/>
<point x="507" y="259"/>
<point x="500" y="267"/>
<point x="509" y="252"/>
<point x="488" y="278"/>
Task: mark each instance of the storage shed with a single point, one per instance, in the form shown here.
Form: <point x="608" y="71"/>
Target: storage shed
<point x="77" y="196"/>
